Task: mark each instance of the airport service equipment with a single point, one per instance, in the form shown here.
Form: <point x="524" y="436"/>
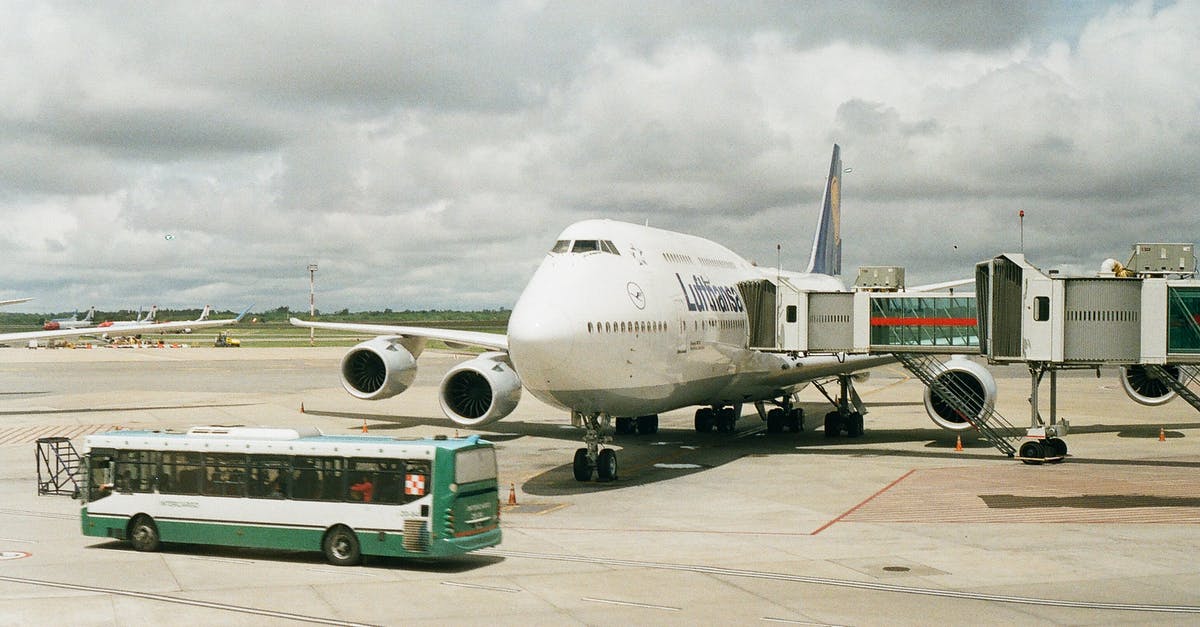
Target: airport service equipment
<point x="296" y="489"/>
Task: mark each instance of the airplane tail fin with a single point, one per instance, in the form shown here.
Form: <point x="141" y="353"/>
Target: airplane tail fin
<point x="204" y="314"/>
<point x="150" y="316"/>
<point x="827" y="244"/>
<point x="91" y="315"/>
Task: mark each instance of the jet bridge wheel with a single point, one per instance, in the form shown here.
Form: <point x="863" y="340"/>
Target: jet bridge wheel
<point x="1032" y="452"/>
<point x="1056" y="448"/>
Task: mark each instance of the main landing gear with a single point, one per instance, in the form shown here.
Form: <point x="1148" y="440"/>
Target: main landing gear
<point x="848" y="415"/>
<point x="593" y="458"/>
<point x="645" y="425"/>
<point x="783" y="416"/>
<point x="723" y="418"/>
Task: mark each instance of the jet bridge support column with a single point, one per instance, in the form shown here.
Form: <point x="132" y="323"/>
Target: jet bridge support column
<point x="1045" y="443"/>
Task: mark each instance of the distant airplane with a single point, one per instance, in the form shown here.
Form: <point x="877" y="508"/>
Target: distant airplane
<point x="74" y="322"/>
<point x="622" y="322"/>
<point x="126" y="328"/>
<point x="120" y="324"/>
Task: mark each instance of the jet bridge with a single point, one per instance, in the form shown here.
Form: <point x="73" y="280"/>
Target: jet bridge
<point x="1146" y="321"/>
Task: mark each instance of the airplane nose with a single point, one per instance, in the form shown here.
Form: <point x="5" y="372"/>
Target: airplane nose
<point x="540" y="339"/>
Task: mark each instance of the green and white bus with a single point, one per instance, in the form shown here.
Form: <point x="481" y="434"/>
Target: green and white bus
<point x="298" y="489"/>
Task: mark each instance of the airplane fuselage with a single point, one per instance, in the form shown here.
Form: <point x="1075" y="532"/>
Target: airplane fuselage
<point x="631" y="320"/>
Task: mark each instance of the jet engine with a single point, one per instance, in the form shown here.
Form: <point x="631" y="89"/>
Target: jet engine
<point x="972" y="381"/>
<point x="480" y="391"/>
<point x="377" y="369"/>
<point x="1145" y="389"/>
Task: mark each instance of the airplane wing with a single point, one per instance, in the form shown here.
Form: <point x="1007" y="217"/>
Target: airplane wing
<point x="14" y="301"/>
<point x="134" y="329"/>
<point x="452" y="337"/>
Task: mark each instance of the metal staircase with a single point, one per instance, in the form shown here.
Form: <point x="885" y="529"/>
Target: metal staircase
<point x="58" y="466"/>
<point x="1179" y="385"/>
<point x="994" y="427"/>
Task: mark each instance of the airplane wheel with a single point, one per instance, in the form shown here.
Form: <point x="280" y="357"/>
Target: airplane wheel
<point x="704" y="420"/>
<point x="624" y="426"/>
<point x="647" y="425"/>
<point x="833" y="424"/>
<point x="854" y="425"/>
<point x="775" y="419"/>
<point x="606" y="465"/>
<point x="1032" y="452"/>
<point x="796" y="420"/>
<point x="726" y="419"/>
<point x="583" y="470"/>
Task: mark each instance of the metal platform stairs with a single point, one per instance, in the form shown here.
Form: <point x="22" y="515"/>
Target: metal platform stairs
<point x="1179" y="385"/>
<point x="58" y="466"/>
<point x="994" y="427"/>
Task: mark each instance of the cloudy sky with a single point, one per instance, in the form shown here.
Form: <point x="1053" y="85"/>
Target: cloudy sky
<point x="426" y="156"/>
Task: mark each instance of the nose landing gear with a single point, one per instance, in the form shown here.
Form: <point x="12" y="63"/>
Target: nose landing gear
<point x="593" y="458"/>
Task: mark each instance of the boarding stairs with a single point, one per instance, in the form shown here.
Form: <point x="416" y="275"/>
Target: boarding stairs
<point x="1179" y="385"/>
<point x="998" y="431"/>
<point x="58" y="466"/>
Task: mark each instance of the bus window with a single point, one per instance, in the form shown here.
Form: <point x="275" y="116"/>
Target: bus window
<point x="224" y="474"/>
<point x="476" y="464"/>
<point x="269" y="477"/>
<point x="373" y="481"/>
<point x="416" y="480"/>
<point x="318" y="478"/>
<point x="100" y="475"/>
<point x="180" y="473"/>
<point x="134" y="471"/>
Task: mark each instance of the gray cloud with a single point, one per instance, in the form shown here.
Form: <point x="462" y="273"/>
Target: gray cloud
<point x="426" y="155"/>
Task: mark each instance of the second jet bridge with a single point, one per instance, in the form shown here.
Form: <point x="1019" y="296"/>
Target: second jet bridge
<point x="785" y="319"/>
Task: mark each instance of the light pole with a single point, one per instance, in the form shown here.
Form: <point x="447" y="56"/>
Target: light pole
<point x="312" y="299"/>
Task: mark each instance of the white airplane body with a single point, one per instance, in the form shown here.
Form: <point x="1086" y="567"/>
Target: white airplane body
<point x="652" y="330"/>
<point x="623" y="322"/>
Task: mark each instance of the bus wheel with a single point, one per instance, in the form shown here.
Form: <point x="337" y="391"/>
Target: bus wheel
<point x="341" y="547"/>
<point x="143" y="534"/>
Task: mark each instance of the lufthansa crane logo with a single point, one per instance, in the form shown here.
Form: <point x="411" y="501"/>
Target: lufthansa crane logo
<point x="636" y="295"/>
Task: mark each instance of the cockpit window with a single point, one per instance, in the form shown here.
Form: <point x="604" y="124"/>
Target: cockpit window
<point x="584" y="246"/>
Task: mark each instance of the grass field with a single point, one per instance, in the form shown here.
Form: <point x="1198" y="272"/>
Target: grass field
<point x="260" y="334"/>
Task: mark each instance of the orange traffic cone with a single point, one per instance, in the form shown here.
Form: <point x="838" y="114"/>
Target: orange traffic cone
<point x="958" y="444"/>
<point x="302" y="407"/>
<point x="1162" y="435"/>
<point x="512" y="494"/>
<point x="364" y="425"/>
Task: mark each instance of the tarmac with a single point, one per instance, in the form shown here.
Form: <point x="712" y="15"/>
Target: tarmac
<point x="893" y="528"/>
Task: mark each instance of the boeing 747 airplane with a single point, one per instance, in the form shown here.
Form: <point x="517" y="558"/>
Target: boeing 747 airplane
<point x="622" y="322"/>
